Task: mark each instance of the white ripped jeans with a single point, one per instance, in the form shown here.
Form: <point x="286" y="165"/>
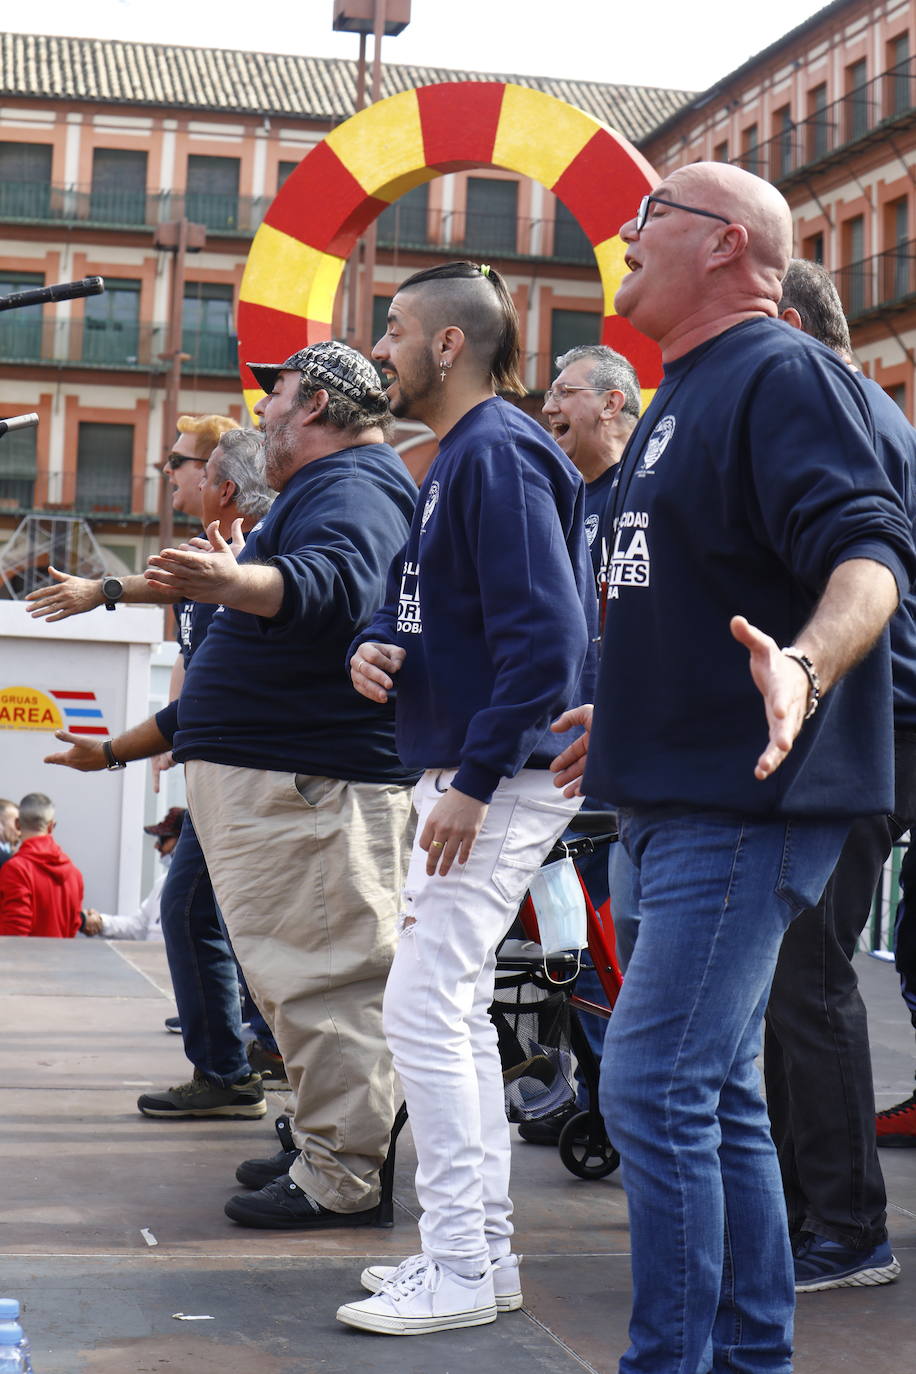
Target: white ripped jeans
<point x="436" y="1014"/>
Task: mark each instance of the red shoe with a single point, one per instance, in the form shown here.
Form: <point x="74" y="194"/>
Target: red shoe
<point x="897" y="1125"/>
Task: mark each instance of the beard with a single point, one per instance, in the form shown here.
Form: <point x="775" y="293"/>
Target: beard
<point x="279" y="454"/>
<point x="415" y="390"/>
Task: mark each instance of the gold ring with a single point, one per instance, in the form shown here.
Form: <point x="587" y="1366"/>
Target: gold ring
<point x="437" y="844"/>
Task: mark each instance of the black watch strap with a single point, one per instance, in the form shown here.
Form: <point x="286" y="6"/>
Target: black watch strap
<point x="112" y="763"/>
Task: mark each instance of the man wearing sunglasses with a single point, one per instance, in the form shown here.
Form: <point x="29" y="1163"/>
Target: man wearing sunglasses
<point x="198" y="436"/>
<point x="750" y="496"/>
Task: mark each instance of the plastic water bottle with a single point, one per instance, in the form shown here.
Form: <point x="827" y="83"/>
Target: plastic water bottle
<point x="12" y="1360"/>
<point x="9" y="1315"/>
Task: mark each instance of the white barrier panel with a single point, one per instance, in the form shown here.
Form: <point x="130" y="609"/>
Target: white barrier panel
<point x="89" y="674"/>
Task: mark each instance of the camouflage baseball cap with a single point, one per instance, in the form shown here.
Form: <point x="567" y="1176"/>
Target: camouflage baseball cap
<point x="328" y="364"/>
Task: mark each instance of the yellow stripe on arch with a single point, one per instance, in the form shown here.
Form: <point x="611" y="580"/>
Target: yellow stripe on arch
<point x="287" y="275"/>
<point x="539" y="135"/>
<point x="612" y="267"/>
<point x="382" y="143"/>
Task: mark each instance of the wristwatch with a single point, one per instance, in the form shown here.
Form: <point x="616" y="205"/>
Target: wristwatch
<point x="112" y="762"/>
<point x="112" y="590"/>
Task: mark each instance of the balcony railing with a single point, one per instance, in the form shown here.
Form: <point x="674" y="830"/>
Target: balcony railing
<point x="92" y="495"/>
<point x="401" y="228"/>
<point x="888" y="98"/>
<point x="110" y="344"/>
<point x="883" y="281"/>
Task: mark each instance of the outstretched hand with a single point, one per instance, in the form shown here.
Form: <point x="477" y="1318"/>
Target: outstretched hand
<point x="65" y="596"/>
<point x="86" y="755"/>
<point x="570" y="765"/>
<point x="200" y="571"/>
<point x="783" y="684"/>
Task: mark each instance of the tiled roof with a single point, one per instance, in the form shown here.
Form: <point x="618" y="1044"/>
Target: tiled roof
<point x="98" y="69"/>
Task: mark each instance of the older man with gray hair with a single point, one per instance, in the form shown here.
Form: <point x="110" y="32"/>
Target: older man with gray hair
<point x="294" y="784"/>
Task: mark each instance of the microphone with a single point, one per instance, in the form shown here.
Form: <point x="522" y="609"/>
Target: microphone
<point x="63" y="291"/>
<point x="18" y="422"/>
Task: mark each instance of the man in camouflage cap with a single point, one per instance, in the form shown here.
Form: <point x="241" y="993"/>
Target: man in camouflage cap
<point x="295" y="789"/>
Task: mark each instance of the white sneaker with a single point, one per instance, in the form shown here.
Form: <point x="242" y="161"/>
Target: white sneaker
<point x="506" y="1282"/>
<point x="418" y="1297"/>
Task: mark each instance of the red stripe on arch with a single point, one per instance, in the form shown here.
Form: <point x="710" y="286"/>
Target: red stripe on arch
<point x="269" y="336"/>
<point x="319" y="197"/>
<point x="643" y="353"/>
<point x="459" y="120"/>
<point x="603" y="186"/>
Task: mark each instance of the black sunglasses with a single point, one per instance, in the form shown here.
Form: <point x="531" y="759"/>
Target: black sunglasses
<point x="175" y="460"/>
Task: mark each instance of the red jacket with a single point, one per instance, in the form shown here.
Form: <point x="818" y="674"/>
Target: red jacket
<point x="41" y="891"/>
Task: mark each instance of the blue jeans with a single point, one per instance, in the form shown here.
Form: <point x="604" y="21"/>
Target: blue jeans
<point x="203" y="969"/>
<point x="622" y="883"/>
<point x="712" y="1270"/>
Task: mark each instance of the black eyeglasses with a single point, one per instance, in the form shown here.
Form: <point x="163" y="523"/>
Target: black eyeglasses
<point x="642" y="214"/>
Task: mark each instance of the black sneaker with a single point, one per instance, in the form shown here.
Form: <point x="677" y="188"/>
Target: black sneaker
<point x="284" y="1206"/>
<point x="201" y="1098"/>
<point x="254" y="1173"/>
<point x="545" y="1130"/>
<point x="268" y="1064"/>
<point x="173" y="1024"/>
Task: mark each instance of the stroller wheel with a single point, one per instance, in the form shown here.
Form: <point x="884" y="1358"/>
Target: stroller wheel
<point x="585" y="1149"/>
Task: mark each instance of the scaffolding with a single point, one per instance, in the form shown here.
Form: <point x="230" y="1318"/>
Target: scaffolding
<point x="65" y="542"/>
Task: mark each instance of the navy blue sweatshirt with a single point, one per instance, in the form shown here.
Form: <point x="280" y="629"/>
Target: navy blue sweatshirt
<point x="493" y="600"/>
<point x="269" y="693"/>
<point x="895" y="443"/>
<point x="751" y="477"/>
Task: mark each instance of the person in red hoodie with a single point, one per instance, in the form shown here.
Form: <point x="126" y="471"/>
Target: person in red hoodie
<point x="41" y="889"/>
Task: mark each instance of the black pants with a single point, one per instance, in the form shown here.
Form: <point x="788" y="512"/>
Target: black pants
<point x="905" y="930"/>
<point x="817" y="1058"/>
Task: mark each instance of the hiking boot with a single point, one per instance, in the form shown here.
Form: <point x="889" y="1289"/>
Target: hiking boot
<point x="545" y="1130"/>
<point x="268" y="1063"/>
<point x="284" y="1206"/>
<point x="823" y="1263"/>
<point x="244" y="1100"/>
<point x="897" y="1125"/>
<point x="420" y="1297"/>
<point x="506" y="1284"/>
<point x="255" y="1173"/>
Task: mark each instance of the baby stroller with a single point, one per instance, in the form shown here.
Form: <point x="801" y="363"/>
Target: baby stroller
<point x="535" y="1012"/>
<point x="535" y="1015"/>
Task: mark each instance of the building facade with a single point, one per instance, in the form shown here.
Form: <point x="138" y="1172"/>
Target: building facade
<point x="104" y="143"/>
<point x="828" y="114"/>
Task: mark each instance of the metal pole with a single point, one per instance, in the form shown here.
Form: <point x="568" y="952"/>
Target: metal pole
<point x="365" y="339"/>
<point x="353" y="261"/>
<point x="173" y="379"/>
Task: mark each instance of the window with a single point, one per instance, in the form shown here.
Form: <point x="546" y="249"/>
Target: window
<point x="212" y="196"/>
<point x="750" y="145"/>
<point x="25" y="180"/>
<point x="18" y="466"/>
<point x="818" y="128"/>
<point x="571" y="327"/>
<point x="111" y="324"/>
<point x="900" y="92"/>
<point x="813" y="248"/>
<point x="898" y="395"/>
<point x="380" y="306"/>
<point x="20" y="329"/>
<point x="284" y="170"/>
<point x="858" y="120"/>
<point x="569" y="240"/>
<point x="405" y="222"/>
<point x="118" y="186"/>
<point x="491" y="220"/>
<point x="720" y="152"/>
<point x="104" y="463"/>
<point x="855" y="270"/>
<point x="784" y="143"/>
<point x="208" y="332"/>
<point x="896" y="262"/>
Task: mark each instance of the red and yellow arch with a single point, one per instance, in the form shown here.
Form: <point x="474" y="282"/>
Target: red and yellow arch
<point x="298" y="254"/>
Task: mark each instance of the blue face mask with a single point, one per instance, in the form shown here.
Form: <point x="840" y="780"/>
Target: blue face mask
<point x="559" y="904"/>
